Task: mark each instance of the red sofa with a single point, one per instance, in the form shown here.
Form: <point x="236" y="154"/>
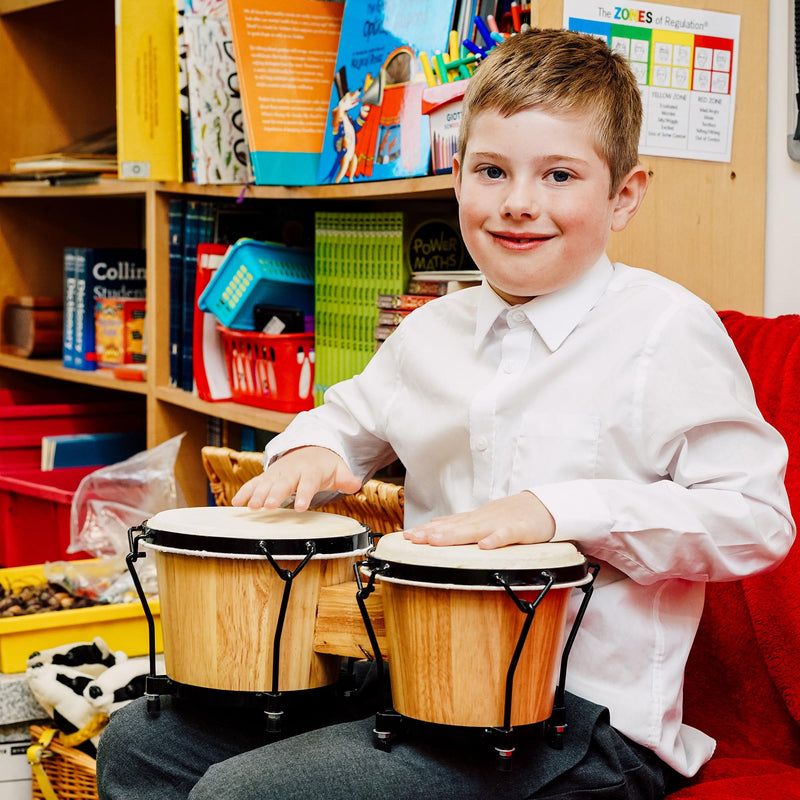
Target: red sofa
<point x="743" y="677"/>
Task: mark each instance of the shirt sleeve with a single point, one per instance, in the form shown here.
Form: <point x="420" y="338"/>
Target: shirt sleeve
<point x="717" y="507"/>
<point x="352" y="420"/>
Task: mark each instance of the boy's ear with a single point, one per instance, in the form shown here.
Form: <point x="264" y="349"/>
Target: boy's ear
<point x="629" y="197"/>
<point x="456" y="177"/>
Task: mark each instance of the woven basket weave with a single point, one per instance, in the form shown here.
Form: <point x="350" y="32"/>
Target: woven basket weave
<point x="378" y="505"/>
<point x="71" y="772"/>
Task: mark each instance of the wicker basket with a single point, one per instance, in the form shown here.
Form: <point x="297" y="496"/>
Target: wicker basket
<point x="378" y="505"/>
<point x="71" y="772"/>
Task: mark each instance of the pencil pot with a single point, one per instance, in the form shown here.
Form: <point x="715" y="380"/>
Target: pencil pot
<point x="273" y="371"/>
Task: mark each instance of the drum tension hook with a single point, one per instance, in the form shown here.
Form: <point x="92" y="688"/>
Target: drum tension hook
<point x="388" y="722"/>
<point x="556" y="726"/>
<point x="154" y="685"/>
<point x="273" y="709"/>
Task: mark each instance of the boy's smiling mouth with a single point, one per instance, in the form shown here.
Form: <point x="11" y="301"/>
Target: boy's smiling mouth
<point x="520" y="241"/>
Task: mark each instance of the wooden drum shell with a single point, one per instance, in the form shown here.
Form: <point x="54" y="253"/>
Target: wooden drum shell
<point x="451" y="649"/>
<point x="219" y="615"/>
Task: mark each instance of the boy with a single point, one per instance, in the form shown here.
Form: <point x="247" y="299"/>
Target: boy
<point x="565" y="399"/>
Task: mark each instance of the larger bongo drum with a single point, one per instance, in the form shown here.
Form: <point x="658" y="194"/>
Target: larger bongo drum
<point x="454" y="622"/>
<point x="238" y="591"/>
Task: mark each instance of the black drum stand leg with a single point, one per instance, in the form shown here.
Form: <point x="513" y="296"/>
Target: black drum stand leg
<point x="273" y="708"/>
<point x="556" y="726"/>
<point x="154" y="685"/>
<point x="388" y="722"/>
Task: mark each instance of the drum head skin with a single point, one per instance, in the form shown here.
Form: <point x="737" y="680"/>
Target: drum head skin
<point x="467" y="565"/>
<point x="230" y="532"/>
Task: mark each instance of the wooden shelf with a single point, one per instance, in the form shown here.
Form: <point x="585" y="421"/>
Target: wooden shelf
<point x="436" y="187"/>
<point x="10" y="6"/>
<point x="51" y="368"/>
<point x="274" y="421"/>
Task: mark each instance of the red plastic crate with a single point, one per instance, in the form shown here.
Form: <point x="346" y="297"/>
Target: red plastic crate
<point x="273" y="371"/>
<point x="34" y="515"/>
<point x="20" y="452"/>
<point x="57" y="418"/>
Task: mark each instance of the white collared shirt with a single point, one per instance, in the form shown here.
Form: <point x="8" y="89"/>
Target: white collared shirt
<point x="621" y="402"/>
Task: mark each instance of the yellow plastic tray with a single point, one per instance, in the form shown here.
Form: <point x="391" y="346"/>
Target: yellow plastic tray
<point x="123" y="626"/>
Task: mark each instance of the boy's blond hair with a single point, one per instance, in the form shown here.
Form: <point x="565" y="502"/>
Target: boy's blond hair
<point x="562" y="71"/>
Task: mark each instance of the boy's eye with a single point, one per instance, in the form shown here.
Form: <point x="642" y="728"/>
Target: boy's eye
<point x="560" y="176"/>
<point x="492" y="172"/>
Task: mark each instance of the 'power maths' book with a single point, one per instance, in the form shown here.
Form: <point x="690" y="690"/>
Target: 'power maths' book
<point x="98" y="273"/>
<point x="285" y="59"/>
<point x="375" y="127"/>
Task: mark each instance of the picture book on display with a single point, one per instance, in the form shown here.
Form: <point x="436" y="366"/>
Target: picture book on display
<point x="285" y="58"/>
<point x="220" y="152"/>
<point x="90" y="449"/>
<point x="376" y="129"/>
<point x="92" y="274"/>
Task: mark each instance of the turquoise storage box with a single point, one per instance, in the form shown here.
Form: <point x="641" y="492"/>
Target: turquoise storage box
<point x="254" y="273"/>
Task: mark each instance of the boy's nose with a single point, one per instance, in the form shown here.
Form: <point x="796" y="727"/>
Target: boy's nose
<point x="521" y="201"/>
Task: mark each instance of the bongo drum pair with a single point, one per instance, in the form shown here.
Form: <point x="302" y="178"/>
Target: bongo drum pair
<point x="239" y="591"/>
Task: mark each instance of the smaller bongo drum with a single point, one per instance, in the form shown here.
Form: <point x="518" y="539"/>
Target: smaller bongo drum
<point x="463" y="643"/>
<point x="239" y="589"/>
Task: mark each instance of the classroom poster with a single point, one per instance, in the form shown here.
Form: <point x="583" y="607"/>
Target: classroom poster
<point x="685" y="61"/>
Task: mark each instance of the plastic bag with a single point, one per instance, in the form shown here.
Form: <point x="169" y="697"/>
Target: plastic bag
<point x="113" y="499"/>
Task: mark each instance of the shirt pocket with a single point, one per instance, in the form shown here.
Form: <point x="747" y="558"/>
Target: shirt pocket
<point x="553" y="447"/>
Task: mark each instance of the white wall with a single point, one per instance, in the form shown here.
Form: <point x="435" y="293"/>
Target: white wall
<point x="782" y="281"/>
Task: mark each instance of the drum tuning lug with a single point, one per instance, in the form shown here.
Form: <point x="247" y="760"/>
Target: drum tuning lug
<point x="153" y="705"/>
<point x="503" y="747"/>
<point x="556" y="727"/>
<point x="387" y="726"/>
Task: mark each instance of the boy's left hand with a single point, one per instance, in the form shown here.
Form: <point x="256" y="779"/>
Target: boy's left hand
<point x="519" y="519"/>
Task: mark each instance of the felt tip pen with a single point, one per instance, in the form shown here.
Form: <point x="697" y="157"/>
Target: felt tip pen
<point x="462" y="62"/>
<point x="498" y="37"/>
<point x="441" y="68"/>
<point x="474" y="48"/>
<point x="453" y="49"/>
<point x="485" y="33"/>
<point x="427" y="69"/>
<point x="492" y="23"/>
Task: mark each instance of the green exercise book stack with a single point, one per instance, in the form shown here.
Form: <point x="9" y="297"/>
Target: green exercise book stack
<point x="358" y="255"/>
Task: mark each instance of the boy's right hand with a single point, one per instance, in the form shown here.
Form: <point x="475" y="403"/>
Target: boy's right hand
<point x="302" y="472"/>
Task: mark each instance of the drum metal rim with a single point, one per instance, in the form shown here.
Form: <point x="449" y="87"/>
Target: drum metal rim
<point x="354" y="544"/>
<point x="469" y="578"/>
<point x="464" y="587"/>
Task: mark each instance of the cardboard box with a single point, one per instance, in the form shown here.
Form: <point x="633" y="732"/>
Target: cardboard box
<point x="442" y="104"/>
<point x="15" y="772"/>
<point x="122" y="626"/>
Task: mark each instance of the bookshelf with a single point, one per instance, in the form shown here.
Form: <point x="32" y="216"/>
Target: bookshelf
<point x="57" y="83"/>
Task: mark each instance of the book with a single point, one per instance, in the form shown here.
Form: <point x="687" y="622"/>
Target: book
<point x="376" y="130"/>
<point x="119" y="331"/>
<point x="90" y="449"/>
<point x="176" y="212"/>
<point x="68" y="345"/>
<point x="198" y="226"/>
<point x="148" y="114"/>
<point x="32" y="326"/>
<point x="99" y="273"/>
<point x="219" y="145"/>
<point x="96" y="152"/>
<point x="403" y="302"/>
<point x="285" y="57"/>
<point x="209" y="365"/>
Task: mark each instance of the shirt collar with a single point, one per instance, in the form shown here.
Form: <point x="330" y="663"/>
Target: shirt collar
<point x="554" y="315"/>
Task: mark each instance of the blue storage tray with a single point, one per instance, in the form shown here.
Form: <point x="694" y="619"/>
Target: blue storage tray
<point x="256" y="272"/>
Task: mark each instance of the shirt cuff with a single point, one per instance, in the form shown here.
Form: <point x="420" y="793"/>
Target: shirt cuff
<point x="579" y="510"/>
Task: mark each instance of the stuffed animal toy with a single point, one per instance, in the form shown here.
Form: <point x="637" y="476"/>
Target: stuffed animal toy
<point x="92" y="658"/>
<point x="79" y="685"/>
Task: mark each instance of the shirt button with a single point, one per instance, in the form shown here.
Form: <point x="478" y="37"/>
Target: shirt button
<point x="481" y="443"/>
<point x="517" y="316"/>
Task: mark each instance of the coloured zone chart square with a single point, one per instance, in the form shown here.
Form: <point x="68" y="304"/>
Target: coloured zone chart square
<point x="685" y="63"/>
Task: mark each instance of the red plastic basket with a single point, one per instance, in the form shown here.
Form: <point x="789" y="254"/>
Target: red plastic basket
<point x="273" y="371"/>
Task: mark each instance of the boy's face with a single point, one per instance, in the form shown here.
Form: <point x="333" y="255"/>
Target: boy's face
<point x="534" y="201"/>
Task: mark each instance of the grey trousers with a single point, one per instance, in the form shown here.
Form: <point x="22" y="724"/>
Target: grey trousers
<point x="215" y="754"/>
